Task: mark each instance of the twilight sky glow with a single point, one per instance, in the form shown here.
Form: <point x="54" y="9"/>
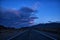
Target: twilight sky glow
<point x="49" y="10"/>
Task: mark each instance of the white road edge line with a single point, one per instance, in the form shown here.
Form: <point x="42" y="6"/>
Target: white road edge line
<point x="46" y="35"/>
<point x="17" y="35"/>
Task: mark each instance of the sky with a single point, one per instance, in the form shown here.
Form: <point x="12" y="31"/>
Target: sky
<point x="47" y="10"/>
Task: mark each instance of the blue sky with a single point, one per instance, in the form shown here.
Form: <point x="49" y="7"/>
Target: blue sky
<point x="49" y="10"/>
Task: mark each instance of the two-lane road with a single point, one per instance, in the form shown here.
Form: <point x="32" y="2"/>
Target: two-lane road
<point x="33" y="35"/>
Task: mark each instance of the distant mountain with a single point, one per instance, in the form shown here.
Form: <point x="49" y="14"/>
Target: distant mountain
<point x="2" y="27"/>
<point x="48" y="25"/>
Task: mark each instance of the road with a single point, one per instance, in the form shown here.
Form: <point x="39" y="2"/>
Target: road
<point x="33" y="35"/>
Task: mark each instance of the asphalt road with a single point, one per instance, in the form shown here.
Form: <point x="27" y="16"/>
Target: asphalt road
<point x="33" y="35"/>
